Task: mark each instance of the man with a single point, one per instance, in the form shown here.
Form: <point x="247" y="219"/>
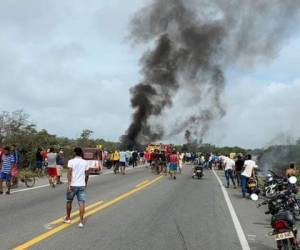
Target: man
<point x="77" y="173"/>
<point x="60" y="161"/>
<point x="116" y="161"/>
<point x="15" y="168"/>
<point x="291" y="171"/>
<point x="229" y="169"/>
<point x="52" y="167"/>
<point x="123" y="161"/>
<point x="7" y="161"/>
<point x="239" y="164"/>
<point x="134" y="159"/>
<point x="248" y="171"/>
<point x="173" y="164"/>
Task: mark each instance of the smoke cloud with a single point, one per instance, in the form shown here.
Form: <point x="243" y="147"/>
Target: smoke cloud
<point x="193" y="43"/>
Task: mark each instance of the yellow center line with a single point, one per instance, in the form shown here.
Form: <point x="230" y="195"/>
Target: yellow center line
<point x="142" y="183"/>
<point x="74" y="214"/>
<point x="59" y="228"/>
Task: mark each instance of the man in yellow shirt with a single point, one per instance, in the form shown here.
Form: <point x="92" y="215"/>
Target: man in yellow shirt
<point x="116" y="161"/>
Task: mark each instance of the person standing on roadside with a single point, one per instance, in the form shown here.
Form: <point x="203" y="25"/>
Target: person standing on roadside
<point x="15" y="168"/>
<point x="39" y="161"/>
<point x="77" y="176"/>
<point x="60" y="161"/>
<point x="248" y="171"/>
<point x="229" y="170"/>
<point x="239" y="164"/>
<point x="51" y="167"/>
<point x="7" y="162"/>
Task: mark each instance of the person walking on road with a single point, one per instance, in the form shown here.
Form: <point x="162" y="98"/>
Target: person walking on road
<point x="248" y="171"/>
<point x="180" y="161"/>
<point x="60" y="161"/>
<point x="52" y="168"/>
<point x="239" y="164"/>
<point x="173" y="165"/>
<point x="77" y="173"/>
<point x="7" y="161"/>
<point x="123" y="161"/>
<point x="116" y="161"/>
<point x="229" y="170"/>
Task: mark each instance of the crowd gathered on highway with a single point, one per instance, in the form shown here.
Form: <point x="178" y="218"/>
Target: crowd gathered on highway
<point x="240" y="170"/>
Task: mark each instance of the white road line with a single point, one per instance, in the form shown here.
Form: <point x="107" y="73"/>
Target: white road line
<point x="47" y="185"/>
<point x="237" y="224"/>
<point x="28" y="189"/>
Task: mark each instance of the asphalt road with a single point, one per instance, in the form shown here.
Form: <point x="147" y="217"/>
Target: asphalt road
<point x="139" y="211"/>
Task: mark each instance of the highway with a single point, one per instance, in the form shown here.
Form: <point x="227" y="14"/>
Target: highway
<point x="137" y="211"/>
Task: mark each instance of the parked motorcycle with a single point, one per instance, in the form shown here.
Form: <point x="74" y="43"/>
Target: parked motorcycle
<point x="283" y="219"/>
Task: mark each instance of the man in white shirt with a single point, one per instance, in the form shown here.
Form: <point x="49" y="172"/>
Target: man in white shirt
<point x="248" y="171"/>
<point x="77" y="173"/>
<point x="229" y="169"/>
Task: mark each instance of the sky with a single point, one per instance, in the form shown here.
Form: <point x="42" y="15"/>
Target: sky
<point x="70" y="65"/>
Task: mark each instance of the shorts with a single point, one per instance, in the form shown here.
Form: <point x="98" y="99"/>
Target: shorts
<point x="39" y="164"/>
<point x="122" y="164"/>
<point x="5" y="176"/>
<point x="173" y="167"/>
<point x="79" y="192"/>
<point x="52" y="172"/>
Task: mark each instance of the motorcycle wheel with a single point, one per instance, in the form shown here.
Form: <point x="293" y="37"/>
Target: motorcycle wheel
<point x="286" y="245"/>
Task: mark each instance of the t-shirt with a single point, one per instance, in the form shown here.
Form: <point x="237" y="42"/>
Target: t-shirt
<point x="51" y="160"/>
<point x="249" y="165"/>
<point x="173" y="158"/>
<point x="123" y="156"/>
<point x="239" y="164"/>
<point x="78" y="166"/>
<point x="229" y="163"/>
<point x="7" y="163"/>
<point x="39" y="156"/>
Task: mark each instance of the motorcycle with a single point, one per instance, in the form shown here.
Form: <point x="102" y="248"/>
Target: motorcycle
<point x="283" y="220"/>
<point x="198" y="172"/>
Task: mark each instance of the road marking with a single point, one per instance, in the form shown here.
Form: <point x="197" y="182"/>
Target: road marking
<point x="47" y="185"/>
<point x="60" y="220"/>
<point x="59" y="228"/>
<point x="142" y="183"/>
<point x="29" y="189"/>
<point x="237" y="224"/>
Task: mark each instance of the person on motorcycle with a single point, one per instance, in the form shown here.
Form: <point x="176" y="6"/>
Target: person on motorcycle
<point x="291" y="171"/>
<point x="248" y="171"/>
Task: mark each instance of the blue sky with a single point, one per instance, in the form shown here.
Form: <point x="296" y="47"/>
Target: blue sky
<point x="70" y="66"/>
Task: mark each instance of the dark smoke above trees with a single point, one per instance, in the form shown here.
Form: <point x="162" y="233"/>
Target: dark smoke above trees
<point x="195" y="42"/>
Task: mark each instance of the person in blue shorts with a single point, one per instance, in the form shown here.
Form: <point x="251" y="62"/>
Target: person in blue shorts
<point x="7" y="161"/>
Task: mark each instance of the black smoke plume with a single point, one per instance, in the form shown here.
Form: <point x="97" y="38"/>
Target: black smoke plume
<point x="193" y="42"/>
